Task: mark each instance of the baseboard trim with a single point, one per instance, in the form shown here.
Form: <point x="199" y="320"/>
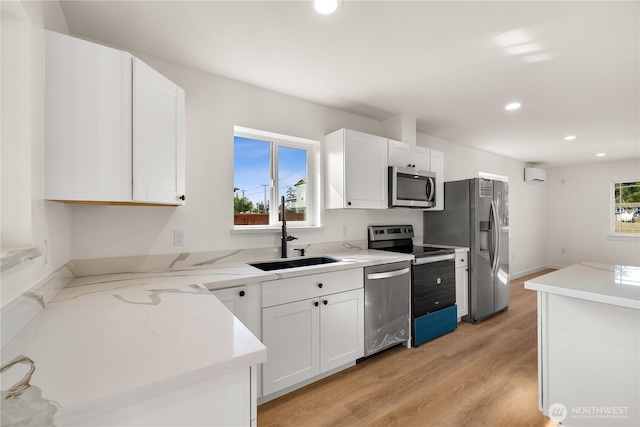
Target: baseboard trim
<point x="533" y="270"/>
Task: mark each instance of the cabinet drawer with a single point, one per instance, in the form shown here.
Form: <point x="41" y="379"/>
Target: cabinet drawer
<point x="314" y="285"/>
<point x="461" y="259"/>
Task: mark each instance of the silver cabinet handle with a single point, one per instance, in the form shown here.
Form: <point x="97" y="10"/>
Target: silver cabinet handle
<point x="388" y="274"/>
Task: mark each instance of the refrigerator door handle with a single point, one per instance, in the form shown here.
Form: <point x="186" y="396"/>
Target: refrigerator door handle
<point x="495" y="244"/>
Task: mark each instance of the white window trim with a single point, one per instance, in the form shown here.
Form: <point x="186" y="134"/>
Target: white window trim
<point x="312" y="148"/>
<point x="614" y="235"/>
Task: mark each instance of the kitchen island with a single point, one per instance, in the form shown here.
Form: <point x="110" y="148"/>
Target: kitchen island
<point x="589" y="344"/>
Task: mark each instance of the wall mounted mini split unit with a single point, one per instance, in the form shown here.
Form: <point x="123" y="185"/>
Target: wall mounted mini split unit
<point x="534" y="175"/>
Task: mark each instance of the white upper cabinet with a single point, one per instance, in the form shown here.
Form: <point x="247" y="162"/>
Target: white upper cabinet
<point x="114" y="127"/>
<point x="404" y="155"/>
<point x="356" y="170"/>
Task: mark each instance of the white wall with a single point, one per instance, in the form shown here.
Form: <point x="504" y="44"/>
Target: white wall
<point x="213" y="106"/>
<point x="527" y="201"/>
<point x="27" y="220"/>
<point x="578" y="214"/>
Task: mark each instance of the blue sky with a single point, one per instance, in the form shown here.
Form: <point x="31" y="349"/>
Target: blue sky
<point x="251" y="167"/>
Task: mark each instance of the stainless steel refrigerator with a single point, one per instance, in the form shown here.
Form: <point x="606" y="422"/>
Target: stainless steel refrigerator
<point x="476" y="215"/>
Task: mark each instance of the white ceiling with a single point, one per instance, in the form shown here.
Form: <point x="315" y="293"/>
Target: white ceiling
<point x="445" y="63"/>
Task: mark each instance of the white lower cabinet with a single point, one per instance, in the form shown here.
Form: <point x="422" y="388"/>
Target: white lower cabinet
<point x="244" y="302"/>
<point x="311" y="336"/>
<point x="220" y="401"/>
<point x="291" y="333"/>
<point x="341" y="329"/>
<point x="462" y="283"/>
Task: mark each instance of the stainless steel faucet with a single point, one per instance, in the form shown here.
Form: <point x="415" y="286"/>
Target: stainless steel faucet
<point x="285" y="238"/>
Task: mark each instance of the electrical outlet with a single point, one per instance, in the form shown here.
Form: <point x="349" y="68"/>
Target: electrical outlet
<point x="178" y="238"/>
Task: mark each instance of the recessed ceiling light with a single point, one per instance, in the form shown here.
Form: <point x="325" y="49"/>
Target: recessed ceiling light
<point x="325" y="7"/>
<point x="519" y="49"/>
<point x="601" y="154"/>
<point x="512" y="38"/>
<point x="569" y="137"/>
<point x="512" y="106"/>
<point x="537" y="57"/>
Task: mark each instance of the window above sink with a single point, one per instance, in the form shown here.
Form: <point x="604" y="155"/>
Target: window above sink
<point x="267" y="166"/>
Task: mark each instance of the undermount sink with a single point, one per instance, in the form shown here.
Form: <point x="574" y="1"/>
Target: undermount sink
<point x="293" y="263"/>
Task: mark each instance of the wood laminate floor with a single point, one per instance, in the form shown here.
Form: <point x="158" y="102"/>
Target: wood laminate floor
<point x="478" y="375"/>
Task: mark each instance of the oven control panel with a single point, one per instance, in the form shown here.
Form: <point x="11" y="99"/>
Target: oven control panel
<point x="390" y="232"/>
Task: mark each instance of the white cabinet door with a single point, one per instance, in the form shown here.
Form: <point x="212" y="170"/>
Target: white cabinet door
<point x="399" y="153"/>
<point x="356" y="170"/>
<point x="244" y="303"/>
<point x="437" y="166"/>
<point x="235" y="299"/>
<point x="87" y="121"/>
<point x="291" y="334"/>
<point x="158" y="137"/>
<point x="421" y="157"/>
<point x="403" y="154"/>
<point x="341" y="329"/>
<point x="462" y="284"/>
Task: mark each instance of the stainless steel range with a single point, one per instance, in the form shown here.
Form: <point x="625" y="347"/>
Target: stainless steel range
<point x="433" y="291"/>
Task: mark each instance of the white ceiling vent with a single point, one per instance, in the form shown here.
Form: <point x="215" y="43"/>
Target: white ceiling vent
<point x="534" y="175"/>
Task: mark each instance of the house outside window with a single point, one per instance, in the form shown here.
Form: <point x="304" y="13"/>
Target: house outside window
<point x="625" y="207"/>
<point x="267" y="167"/>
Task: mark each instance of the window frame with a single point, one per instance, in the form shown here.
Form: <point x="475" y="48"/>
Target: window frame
<point x="312" y="148"/>
<point x="612" y="211"/>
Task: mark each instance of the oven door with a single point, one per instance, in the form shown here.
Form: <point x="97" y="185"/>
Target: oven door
<point x="411" y="188"/>
<point x="433" y="286"/>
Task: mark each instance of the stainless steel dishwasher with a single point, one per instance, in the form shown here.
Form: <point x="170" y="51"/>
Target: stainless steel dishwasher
<point x="387" y="306"/>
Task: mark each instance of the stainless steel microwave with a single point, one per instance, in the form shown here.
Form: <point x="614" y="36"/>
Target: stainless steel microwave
<point x="411" y="188"/>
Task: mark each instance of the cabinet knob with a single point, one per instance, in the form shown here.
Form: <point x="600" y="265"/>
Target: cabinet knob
<point x="325" y="302"/>
<point x="349" y="203"/>
<point x="316" y="303"/>
<point x="320" y="285"/>
<point x="438" y="280"/>
<point x="241" y="293"/>
<point x="183" y="197"/>
<point x="461" y="259"/>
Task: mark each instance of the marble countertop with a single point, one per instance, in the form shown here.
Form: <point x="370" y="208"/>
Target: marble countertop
<point x="103" y="346"/>
<point x="235" y="273"/>
<point x="111" y="340"/>
<point x="605" y="283"/>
